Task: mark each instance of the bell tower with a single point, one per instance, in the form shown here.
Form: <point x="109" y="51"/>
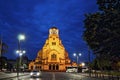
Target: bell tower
<point x="53" y="32"/>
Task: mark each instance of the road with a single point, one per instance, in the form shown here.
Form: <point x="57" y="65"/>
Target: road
<point x="53" y="76"/>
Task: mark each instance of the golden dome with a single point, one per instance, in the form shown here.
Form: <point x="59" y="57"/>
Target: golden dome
<point x="54" y="27"/>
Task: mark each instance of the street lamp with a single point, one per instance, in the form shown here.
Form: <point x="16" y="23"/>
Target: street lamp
<point x="20" y="52"/>
<point x="83" y="64"/>
<point x="21" y="37"/>
<point x="77" y="55"/>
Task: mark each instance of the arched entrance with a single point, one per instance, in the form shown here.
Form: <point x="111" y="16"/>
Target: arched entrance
<point x="53" y="67"/>
<point x="50" y="67"/>
<point x="57" y="67"/>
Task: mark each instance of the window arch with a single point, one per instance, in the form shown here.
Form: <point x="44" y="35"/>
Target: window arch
<point x="53" y="56"/>
<point x="53" y="43"/>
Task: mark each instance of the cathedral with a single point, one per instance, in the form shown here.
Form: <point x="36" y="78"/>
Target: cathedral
<point x="53" y="56"/>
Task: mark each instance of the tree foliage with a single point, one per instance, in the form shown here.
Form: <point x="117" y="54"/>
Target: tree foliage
<point x="102" y="29"/>
<point x="3" y="47"/>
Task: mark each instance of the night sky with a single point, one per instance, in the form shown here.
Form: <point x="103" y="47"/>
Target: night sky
<point x="34" y="18"/>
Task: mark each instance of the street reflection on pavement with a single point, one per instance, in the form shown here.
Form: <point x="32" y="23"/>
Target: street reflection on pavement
<point x="35" y="79"/>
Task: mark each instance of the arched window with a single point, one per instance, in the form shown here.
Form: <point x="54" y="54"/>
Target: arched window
<point x="53" y="43"/>
<point x="53" y="56"/>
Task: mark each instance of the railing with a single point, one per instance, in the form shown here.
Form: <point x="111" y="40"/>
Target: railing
<point x="104" y="76"/>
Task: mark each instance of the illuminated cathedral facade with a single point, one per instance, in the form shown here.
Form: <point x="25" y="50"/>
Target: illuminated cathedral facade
<point x="53" y="56"/>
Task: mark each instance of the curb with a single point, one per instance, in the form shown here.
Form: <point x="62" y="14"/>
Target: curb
<point x="13" y="77"/>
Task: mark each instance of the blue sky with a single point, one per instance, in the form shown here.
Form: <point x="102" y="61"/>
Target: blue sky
<point x="35" y="17"/>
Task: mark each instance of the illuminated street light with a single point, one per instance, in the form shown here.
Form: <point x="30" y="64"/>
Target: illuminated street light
<point x="21" y="37"/>
<point x="24" y="51"/>
<point x="17" y="51"/>
<point x="74" y="54"/>
<point x="20" y="52"/>
<point x="77" y="55"/>
<point x="83" y="64"/>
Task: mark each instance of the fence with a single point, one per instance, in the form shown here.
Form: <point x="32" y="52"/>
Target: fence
<point x="105" y="76"/>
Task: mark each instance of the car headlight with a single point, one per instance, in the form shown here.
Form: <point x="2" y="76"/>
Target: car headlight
<point x="31" y="73"/>
<point x="38" y="73"/>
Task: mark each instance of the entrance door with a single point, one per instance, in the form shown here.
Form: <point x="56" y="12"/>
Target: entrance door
<point x="50" y="67"/>
<point x="57" y="67"/>
<point x="53" y="66"/>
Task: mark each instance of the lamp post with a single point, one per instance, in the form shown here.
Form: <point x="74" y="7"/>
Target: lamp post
<point x="20" y="52"/>
<point x="77" y="55"/>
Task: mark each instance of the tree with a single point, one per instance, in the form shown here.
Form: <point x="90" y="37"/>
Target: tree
<point x="102" y="30"/>
<point x="3" y="47"/>
<point x="3" y="62"/>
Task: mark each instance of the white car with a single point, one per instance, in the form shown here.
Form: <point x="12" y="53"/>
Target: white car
<point x="84" y="69"/>
<point x="35" y="73"/>
<point x="71" y="70"/>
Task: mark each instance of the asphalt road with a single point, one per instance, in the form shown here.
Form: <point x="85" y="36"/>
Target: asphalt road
<point x="54" y="76"/>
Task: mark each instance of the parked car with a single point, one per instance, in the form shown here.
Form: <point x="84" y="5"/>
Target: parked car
<point x="85" y="69"/>
<point x="72" y="69"/>
<point x="35" y="73"/>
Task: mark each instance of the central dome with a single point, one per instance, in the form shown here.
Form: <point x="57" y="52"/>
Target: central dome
<point x="54" y="27"/>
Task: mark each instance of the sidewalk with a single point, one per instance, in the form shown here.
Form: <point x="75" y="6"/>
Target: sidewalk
<point x="4" y="75"/>
<point x="102" y="77"/>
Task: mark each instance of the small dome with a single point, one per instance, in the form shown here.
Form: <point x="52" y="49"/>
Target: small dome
<point x="54" y="27"/>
